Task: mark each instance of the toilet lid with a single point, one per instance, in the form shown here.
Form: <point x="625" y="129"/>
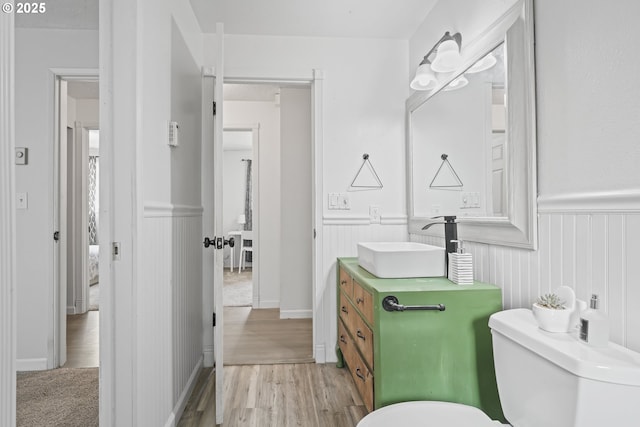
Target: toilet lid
<point x="427" y="413"/>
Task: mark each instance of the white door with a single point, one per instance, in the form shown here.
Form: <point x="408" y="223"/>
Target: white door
<point x="61" y="232"/>
<point x="214" y="239"/>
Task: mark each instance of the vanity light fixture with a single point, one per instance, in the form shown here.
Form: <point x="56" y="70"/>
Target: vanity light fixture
<point x="458" y="83"/>
<point x="447" y="58"/>
<point x="484" y="64"/>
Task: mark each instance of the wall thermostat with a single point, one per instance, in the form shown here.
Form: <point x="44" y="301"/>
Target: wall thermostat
<point x="173" y="134"/>
<point x="21" y="155"/>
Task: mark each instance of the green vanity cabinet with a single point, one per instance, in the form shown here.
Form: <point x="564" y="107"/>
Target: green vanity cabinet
<point x="397" y="356"/>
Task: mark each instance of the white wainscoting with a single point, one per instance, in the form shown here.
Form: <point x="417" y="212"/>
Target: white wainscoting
<point x="169" y="303"/>
<point x="340" y="238"/>
<point x="593" y="252"/>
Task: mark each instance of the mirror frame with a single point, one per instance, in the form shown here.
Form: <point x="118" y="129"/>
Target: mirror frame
<point x="519" y="228"/>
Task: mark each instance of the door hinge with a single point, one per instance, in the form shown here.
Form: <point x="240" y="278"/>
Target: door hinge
<point x="116" y="251"/>
<point x="213" y="323"/>
<point x="214" y="108"/>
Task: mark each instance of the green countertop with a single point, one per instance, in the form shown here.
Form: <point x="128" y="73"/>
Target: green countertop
<point x="411" y="284"/>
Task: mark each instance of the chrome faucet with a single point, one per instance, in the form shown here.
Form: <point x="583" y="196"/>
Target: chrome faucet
<point x="450" y="234"/>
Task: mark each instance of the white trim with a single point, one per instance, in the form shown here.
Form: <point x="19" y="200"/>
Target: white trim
<point x="296" y="314"/>
<point x="269" y="304"/>
<point x="178" y="409"/>
<point x="71" y="309"/>
<point x="8" y="303"/>
<point x="320" y="353"/>
<point x="363" y="220"/>
<point x="165" y="210"/>
<point x="627" y="201"/>
<point x="23" y="365"/>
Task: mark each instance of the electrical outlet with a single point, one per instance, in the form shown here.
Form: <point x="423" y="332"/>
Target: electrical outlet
<point x="344" y="202"/>
<point x="374" y="214"/>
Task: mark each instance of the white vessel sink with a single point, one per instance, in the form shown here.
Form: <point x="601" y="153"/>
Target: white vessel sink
<point x="393" y="260"/>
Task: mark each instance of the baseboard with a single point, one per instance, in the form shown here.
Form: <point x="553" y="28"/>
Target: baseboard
<point x="296" y="314"/>
<point x="31" y="364"/>
<point x="321" y="356"/>
<point x="208" y="356"/>
<point x="178" y="409"/>
<point x="71" y="309"/>
<point x="269" y="304"/>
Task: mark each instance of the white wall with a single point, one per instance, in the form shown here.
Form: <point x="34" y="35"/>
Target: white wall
<point x="37" y="51"/>
<point x="296" y="197"/>
<point x="364" y="91"/>
<point x="267" y="116"/>
<point x="588" y="152"/>
<point x="168" y="290"/>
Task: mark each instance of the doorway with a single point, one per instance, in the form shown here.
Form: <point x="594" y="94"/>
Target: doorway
<point x="78" y="201"/>
<point x="279" y="214"/>
<point x="240" y="215"/>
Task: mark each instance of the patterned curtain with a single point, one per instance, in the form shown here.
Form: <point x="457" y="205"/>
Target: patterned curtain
<point x="248" y="210"/>
<point x="93" y="199"/>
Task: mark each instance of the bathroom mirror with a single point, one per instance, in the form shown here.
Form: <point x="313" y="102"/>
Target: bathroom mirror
<point x="471" y="140"/>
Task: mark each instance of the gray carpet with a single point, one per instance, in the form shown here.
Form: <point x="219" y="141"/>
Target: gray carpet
<point x="238" y="289"/>
<point x="59" y="397"/>
<point x="94" y="297"/>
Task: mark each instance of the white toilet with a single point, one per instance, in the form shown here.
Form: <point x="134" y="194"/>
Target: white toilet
<point x="544" y="380"/>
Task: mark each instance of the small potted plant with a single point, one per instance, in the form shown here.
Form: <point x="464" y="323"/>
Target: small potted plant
<point x="553" y="313"/>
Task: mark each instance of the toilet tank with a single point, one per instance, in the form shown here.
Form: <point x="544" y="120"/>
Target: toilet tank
<point x="554" y="380"/>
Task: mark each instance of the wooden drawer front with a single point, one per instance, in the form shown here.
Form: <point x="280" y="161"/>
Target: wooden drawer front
<point x="346" y="283"/>
<point x="363" y="379"/>
<point x="364" y="301"/>
<point x="363" y="337"/>
<point x="347" y="312"/>
<point x="346" y="345"/>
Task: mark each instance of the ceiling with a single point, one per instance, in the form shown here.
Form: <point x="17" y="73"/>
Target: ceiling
<point x="77" y="14"/>
<point x="250" y="92"/>
<point x="327" y="18"/>
<point x="83" y="90"/>
<point x="310" y="18"/>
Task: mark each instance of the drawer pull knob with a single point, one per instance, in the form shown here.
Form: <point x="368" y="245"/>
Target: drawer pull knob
<point x="344" y="309"/>
<point x="390" y="303"/>
<point x="359" y="374"/>
<point x="359" y="300"/>
<point x="342" y="339"/>
<point x="361" y="335"/>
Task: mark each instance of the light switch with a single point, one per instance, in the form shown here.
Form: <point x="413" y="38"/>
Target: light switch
<point x="21" y="201"/>
<point x="21" y="155"/>
<point x="333" y="201"/>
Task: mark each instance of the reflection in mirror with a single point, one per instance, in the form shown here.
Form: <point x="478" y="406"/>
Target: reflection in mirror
<point x="482" y="117"/>
<point x="465" y="124"/>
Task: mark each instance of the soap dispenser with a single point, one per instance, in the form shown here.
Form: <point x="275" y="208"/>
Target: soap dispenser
<point x="594" y="325"/>
<point x="460" y="265"/>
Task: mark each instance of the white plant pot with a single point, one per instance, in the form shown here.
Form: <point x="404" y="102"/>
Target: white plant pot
<point x="552" y="320"/>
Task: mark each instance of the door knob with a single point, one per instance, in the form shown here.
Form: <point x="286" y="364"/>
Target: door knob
<point x="218" y="242"/>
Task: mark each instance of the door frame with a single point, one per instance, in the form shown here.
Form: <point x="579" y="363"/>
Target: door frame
<point x="58" y="326"/>
<point x="8" y="302"/>
<point x="315" y="79"/>
<point x="255" y="194"/>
